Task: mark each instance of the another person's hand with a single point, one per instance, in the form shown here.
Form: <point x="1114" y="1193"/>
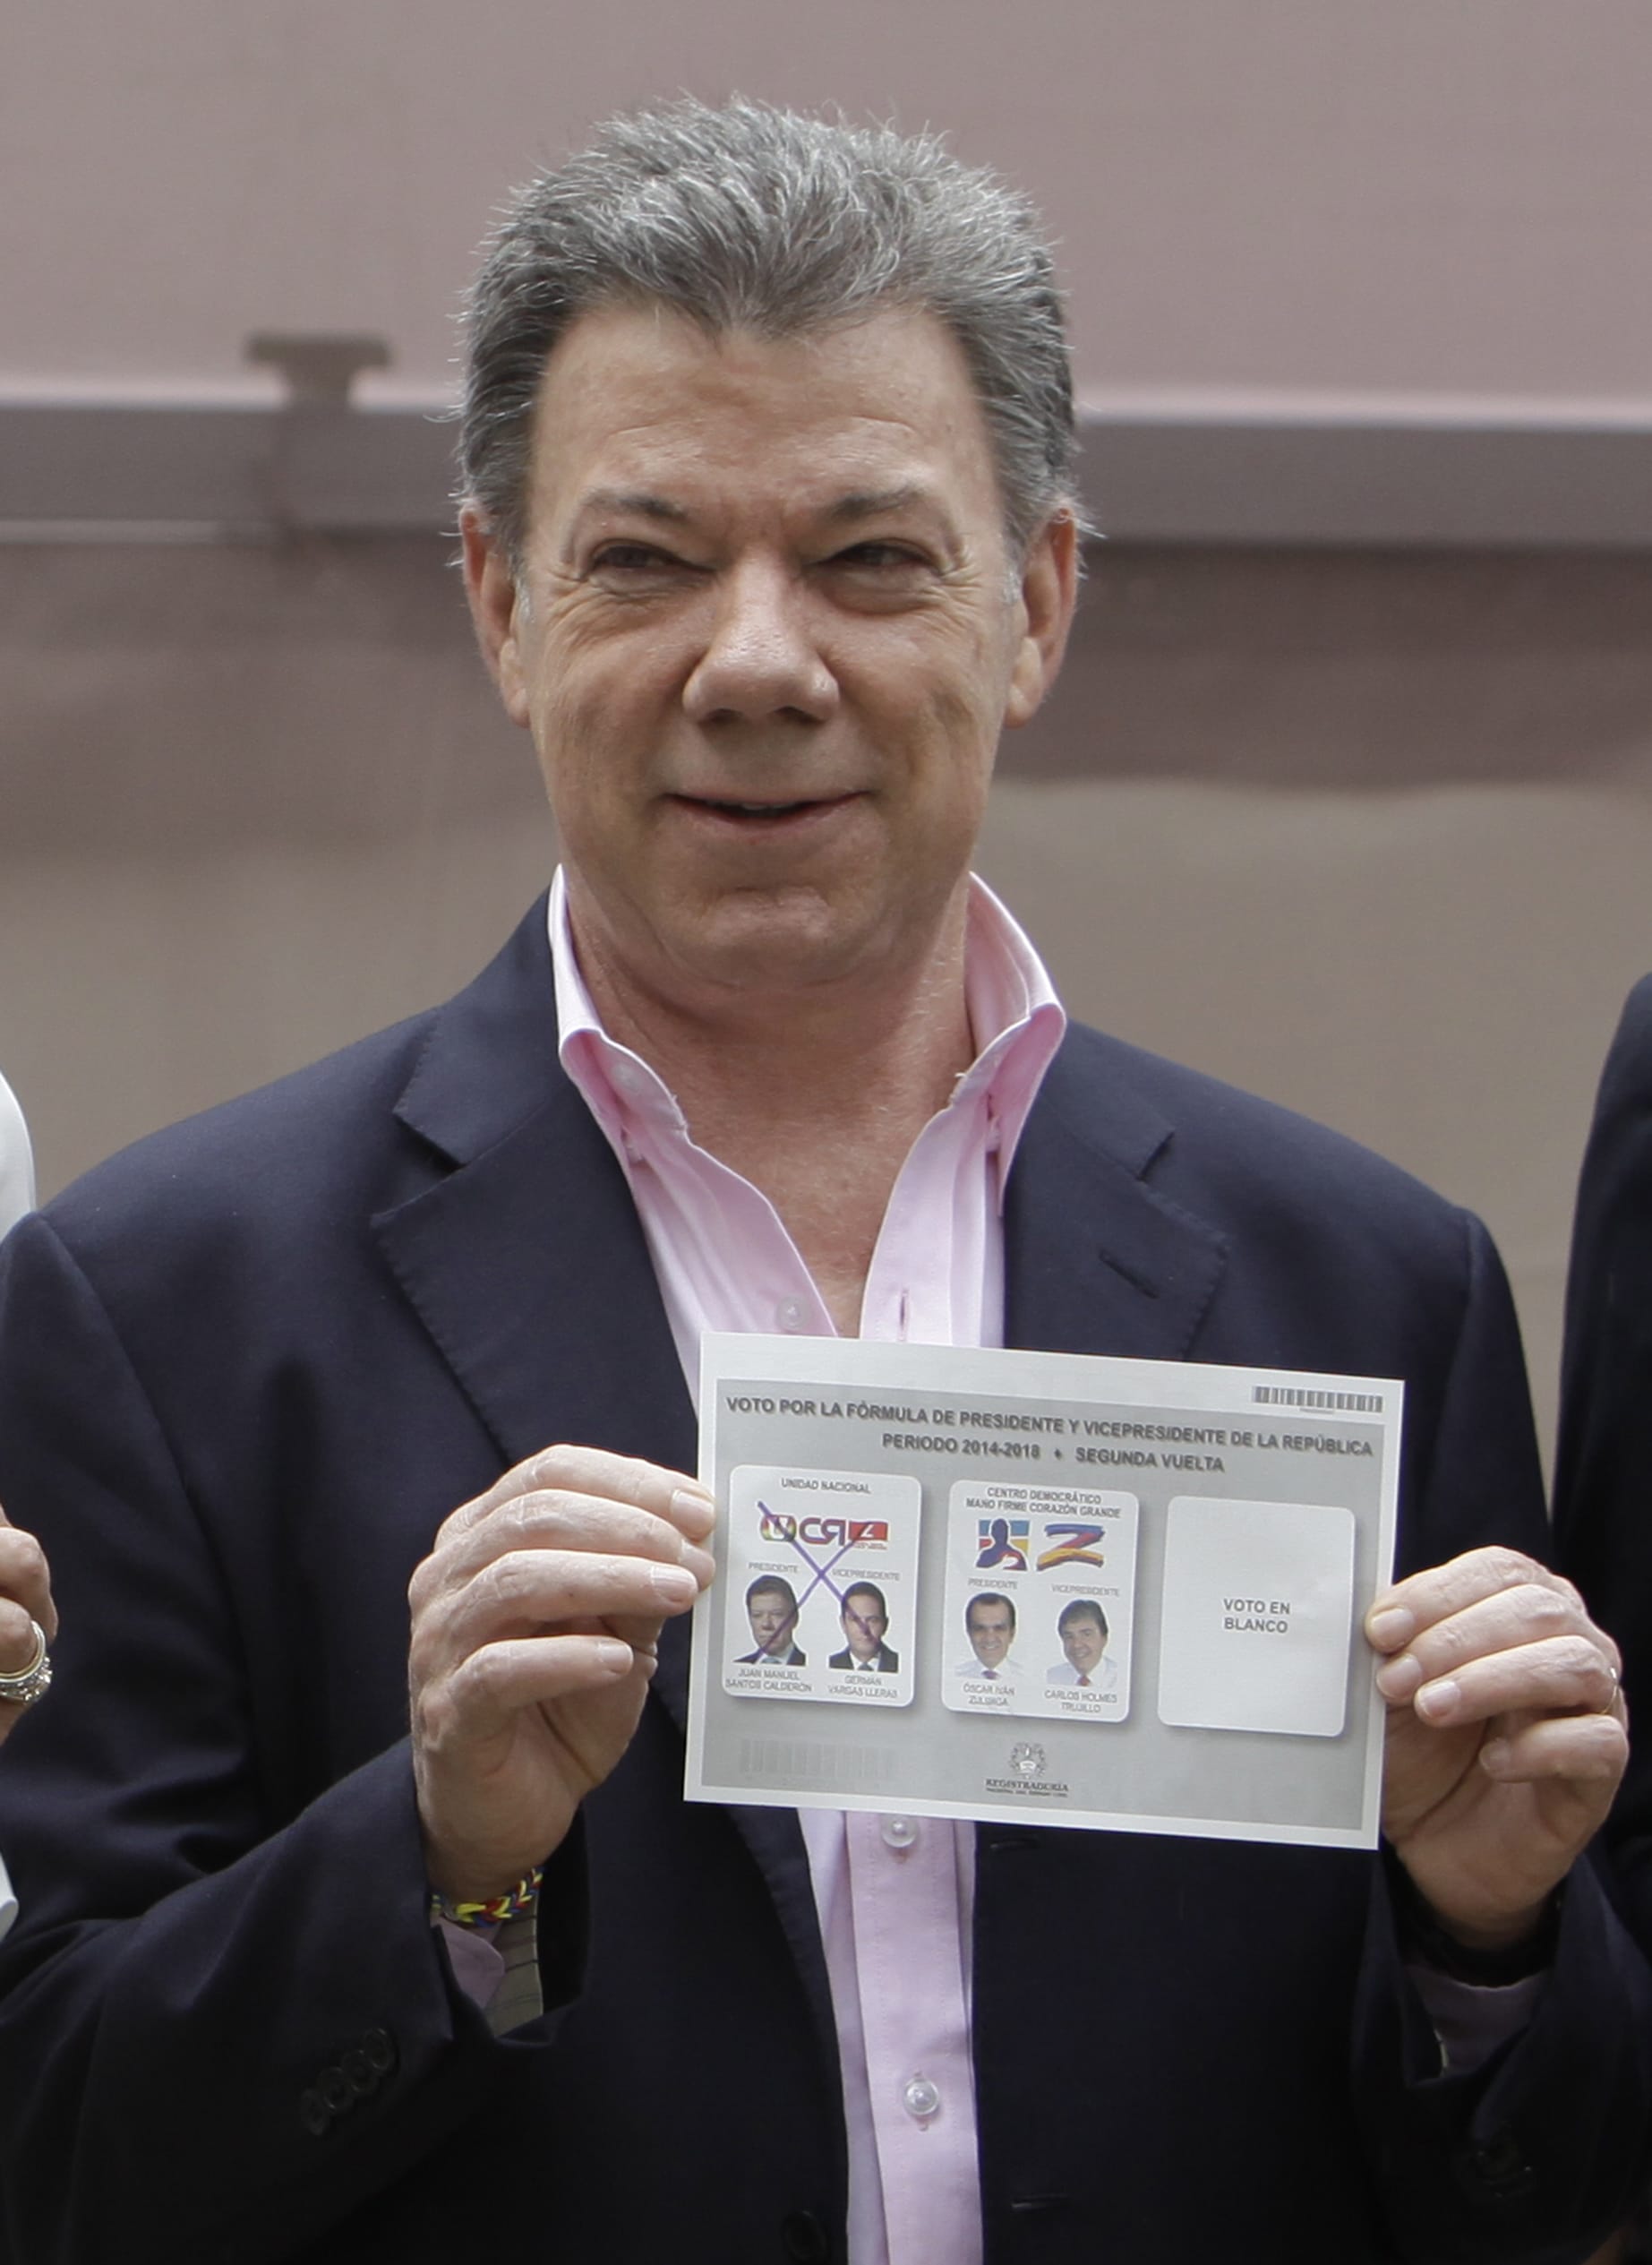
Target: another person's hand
<point x="25" y="1597"/>
<point x="535" y="1621"/>
<point x="1507" y="1736"/>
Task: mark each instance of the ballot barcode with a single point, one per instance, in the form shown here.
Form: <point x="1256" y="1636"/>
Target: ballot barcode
<point x="808" y="1762"/>
<point x="1353" y="1404"/>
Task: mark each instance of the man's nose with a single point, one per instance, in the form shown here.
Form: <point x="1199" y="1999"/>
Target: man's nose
<point x="761" y="658"/>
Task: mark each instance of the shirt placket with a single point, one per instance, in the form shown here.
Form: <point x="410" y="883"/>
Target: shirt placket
<point x="908" y="1935"/>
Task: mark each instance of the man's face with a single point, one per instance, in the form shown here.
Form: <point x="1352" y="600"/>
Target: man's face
<point x="864" y="1626"/>
<point x="1084" y="1643"/>
<point x="772" y="1619"/>
<point x="766" y="635"/>
<point x="990" y="1626"/>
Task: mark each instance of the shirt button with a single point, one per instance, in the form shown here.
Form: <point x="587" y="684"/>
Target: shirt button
<point x="899" y="1831"/>
<point x="790" y="1316"/>
<point x="920" y="2097"/>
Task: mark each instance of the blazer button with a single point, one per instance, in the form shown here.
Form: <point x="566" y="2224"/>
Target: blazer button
<point x="804" y="2238"/>
<point x="359" y="2072"/>
<point x="314" y="2115"/>
<point x="380" y="2046"/>
<point x="335" y="2090"/>
<point x="1497" y="2163"/>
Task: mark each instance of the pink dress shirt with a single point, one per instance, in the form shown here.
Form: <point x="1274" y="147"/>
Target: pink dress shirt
<point x="893" y="1893"/>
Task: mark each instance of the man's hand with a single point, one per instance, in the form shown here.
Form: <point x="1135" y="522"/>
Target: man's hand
<point x="25" y="1595"/>
<point x="535" y="1621"/>
<point x="1507" y="1735"/>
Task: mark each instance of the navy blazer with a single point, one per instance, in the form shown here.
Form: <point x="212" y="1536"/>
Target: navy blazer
<point x="1602" y="1487"/>
<point x="247" y="1368"/>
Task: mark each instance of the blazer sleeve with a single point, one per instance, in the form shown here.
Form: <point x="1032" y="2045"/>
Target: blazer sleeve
<point x="226" y="2021"/>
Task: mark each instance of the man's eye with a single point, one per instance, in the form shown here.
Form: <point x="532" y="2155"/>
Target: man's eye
<point x="881" y="558"/>
<point x="635" y="562"/>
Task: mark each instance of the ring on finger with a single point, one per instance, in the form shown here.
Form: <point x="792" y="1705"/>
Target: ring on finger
<point x="1609" y="1703"/>
<point x="33" y="1681"/>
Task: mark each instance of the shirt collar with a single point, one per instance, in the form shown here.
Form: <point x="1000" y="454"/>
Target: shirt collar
<point x="617" y="1085"/>
<point x="1015" y="1018"/>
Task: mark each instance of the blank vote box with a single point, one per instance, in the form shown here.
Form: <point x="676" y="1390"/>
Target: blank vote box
<point x="1257" y="1608"/>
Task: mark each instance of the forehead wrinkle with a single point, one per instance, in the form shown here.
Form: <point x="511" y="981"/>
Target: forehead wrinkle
<point x="858" y="503"/>
<point x="634" y="501"/>
<point x="865" y="503"/>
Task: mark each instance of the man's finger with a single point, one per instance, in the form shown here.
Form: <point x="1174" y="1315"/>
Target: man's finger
<point x="1512" y="1618"/>
<point x="548" y="1521"/>
<point x="493" y="1685"/>
<point x="1423" y="1598"/>
<point x="671" y="1495"/>
<point x="18" y="1646"/>
<point x="529" y="1591"/>
<point x="1591" y="1748"/>
<point x="25" y="1581"/>
<point x="1558" y="1676"/>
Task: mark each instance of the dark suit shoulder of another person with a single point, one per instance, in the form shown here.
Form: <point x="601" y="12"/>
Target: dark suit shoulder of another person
<point x="1605" y="1437"/>
<point x="1603" y="1493"/>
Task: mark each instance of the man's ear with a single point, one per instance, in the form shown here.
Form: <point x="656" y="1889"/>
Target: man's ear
<point x="1049" y="594"/>
<point x="494" y="606"/>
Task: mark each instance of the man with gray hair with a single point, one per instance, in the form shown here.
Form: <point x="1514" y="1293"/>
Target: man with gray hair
<point x="769" y="531"/>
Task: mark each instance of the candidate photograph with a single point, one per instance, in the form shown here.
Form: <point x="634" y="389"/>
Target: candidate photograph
<point x="360" y="1915"/>
<point x="1086" y="1665"/>
<point x="989" y="1625"/>
<point x="770" y="1607"/>
<point x="865" y="1622"/>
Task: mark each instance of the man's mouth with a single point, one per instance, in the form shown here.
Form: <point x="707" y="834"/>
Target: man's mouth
<point x="762" y="813"/>
<point x="759" y="810"/>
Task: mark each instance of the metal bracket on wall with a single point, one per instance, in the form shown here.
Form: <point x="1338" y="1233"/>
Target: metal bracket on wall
<point x="118" y="471"/>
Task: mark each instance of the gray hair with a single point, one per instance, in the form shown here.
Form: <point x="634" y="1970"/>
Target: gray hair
<point x="751" y="217"/>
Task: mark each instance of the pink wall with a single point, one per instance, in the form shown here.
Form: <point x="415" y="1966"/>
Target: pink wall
<point x="1367" y="195"/>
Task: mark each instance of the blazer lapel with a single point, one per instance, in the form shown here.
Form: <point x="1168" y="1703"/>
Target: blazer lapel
<point x="528" y="1268"/>
<point x="523" y="1257"/>
<point x="1095" y="1261"/>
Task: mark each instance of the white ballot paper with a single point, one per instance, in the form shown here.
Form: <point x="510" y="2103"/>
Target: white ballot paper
<point x="1104" y="1593"/>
